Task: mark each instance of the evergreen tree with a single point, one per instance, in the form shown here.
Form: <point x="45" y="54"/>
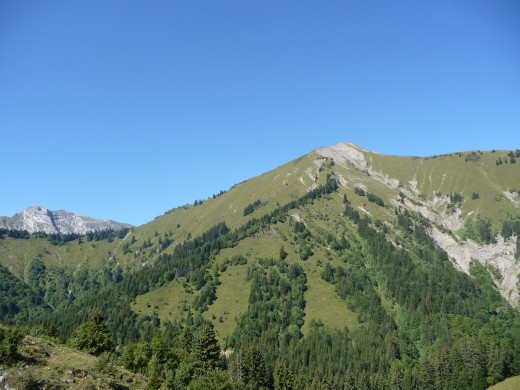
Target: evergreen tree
<point x="479" y="382"/>
<point x="10" y="339"/>
<point x="92" y="336"/>
<point x="154" y="374"/>
<point x="207" y="350"/>
<point x="255" y="369"/>
<point x="427" y="375"/>
<point x="187" y="339"/>
<point x="237" y="371"/>
<point x="283" y="377"/>
<point x="396" y="378"/>
<point x="363" y="383"/>
<point x="495" y="366"/>
<point x="410" y="380"/>
<point x="350" y="381"/>
<point x="283" y="253"/>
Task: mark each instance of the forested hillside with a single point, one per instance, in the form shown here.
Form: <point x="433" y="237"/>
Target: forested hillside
<point x="338" y="270"/>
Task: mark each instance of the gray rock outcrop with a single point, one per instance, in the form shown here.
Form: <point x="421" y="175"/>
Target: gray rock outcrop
<point x="41" y="219"/>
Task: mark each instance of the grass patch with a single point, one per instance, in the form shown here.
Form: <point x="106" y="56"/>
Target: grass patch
<point x="15" y="254"/>
<point x="324" y="304"/>
<point x="509" y="384"/>
<point x="170" y="301"/>
<point x="232" y="300"/>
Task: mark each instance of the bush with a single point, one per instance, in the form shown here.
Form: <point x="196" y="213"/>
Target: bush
<point x="106" y="364"/>
<point x="10" y="339"/>
<point x="359" y="191"/>
<point x="92" y="337"/>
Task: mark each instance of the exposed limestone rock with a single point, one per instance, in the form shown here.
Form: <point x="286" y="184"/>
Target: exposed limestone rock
<point x="500" y="255"/>
<point x="435" y="210"/>
<point x="41" y="219"/>
<point x="513" y="198"/>
<point x="348" y="152"/>
<point x="341" y="153"/>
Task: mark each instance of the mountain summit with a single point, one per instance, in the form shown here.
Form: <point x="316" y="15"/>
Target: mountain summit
<point x="41" y="219"/>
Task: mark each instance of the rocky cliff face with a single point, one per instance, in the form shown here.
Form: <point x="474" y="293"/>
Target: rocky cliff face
<point x="41" y="219"/>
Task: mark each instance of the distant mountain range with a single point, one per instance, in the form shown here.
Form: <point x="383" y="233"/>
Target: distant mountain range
<point x="41" y="219"/>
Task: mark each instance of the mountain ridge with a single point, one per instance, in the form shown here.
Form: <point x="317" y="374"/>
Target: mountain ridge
<point x="37" y="218"/>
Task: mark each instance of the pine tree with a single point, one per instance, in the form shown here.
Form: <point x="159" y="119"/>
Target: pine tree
<point x="410" y="380"/>
<point x="396" y="378"/>
<point x="10" y="339"/>
<point x="478" y="382"/>
<point x="299" y="384"/>
<point x="187" y="339"/>
<point x="237" y="371"/>
<point x="363" y="383"/>
<point x="350" y="381"/>
<point x="207" y="350"/>
<point x="427" y="375"/>
<point x="154" y="373"/>
<point x="283" y="377"/>
<point x="283" y="253"/>
<point x="255" y="369"/>
<point x="495" y="367"/>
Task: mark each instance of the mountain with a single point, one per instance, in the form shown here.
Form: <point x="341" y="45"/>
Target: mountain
<point x="467" y="197"/>
<point x="40" y="219"/>
<point x="342" y="267"/>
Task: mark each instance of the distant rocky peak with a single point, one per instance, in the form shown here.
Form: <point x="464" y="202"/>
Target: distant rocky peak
<point x="41" y="219"/>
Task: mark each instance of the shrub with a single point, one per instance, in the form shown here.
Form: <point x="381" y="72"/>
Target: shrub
<point x="92" y="336"/>
<point x="10" y="339"/>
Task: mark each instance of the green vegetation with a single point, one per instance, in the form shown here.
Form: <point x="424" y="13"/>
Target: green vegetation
<point x="10" y="339"/>
<point x="42" y="363"/>
<point x="375" y="199"/>
<point x="479" y="230"/>
<point x="359" y="191"/>
<point x="92" y="336"/>
<point x="320" y="286"/>
<point x="252" y="207"/>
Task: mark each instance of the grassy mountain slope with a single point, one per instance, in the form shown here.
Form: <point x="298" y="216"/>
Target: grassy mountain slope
<point x="15" y="254"/>
<point x="370" y="264"/>
<point x="465" y="173"/>
<point x="425" y="184"/>
<point x="323" y="219"/>
<point x="43" y="363"/>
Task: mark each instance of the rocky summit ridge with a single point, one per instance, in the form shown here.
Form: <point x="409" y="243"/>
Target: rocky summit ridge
<point x="40" y="219"/>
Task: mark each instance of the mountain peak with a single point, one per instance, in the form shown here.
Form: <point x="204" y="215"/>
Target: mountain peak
<point x="345" y="152"/>
<point x="40" y="219"/>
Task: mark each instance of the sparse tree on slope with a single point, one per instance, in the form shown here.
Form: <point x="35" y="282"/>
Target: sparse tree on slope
<point x="92" y="336"/>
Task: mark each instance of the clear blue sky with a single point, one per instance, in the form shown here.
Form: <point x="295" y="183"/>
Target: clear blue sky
<point x="125" y="109"/>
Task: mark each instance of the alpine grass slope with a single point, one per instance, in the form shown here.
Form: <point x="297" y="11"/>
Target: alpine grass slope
<point x="341" y="269"/>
